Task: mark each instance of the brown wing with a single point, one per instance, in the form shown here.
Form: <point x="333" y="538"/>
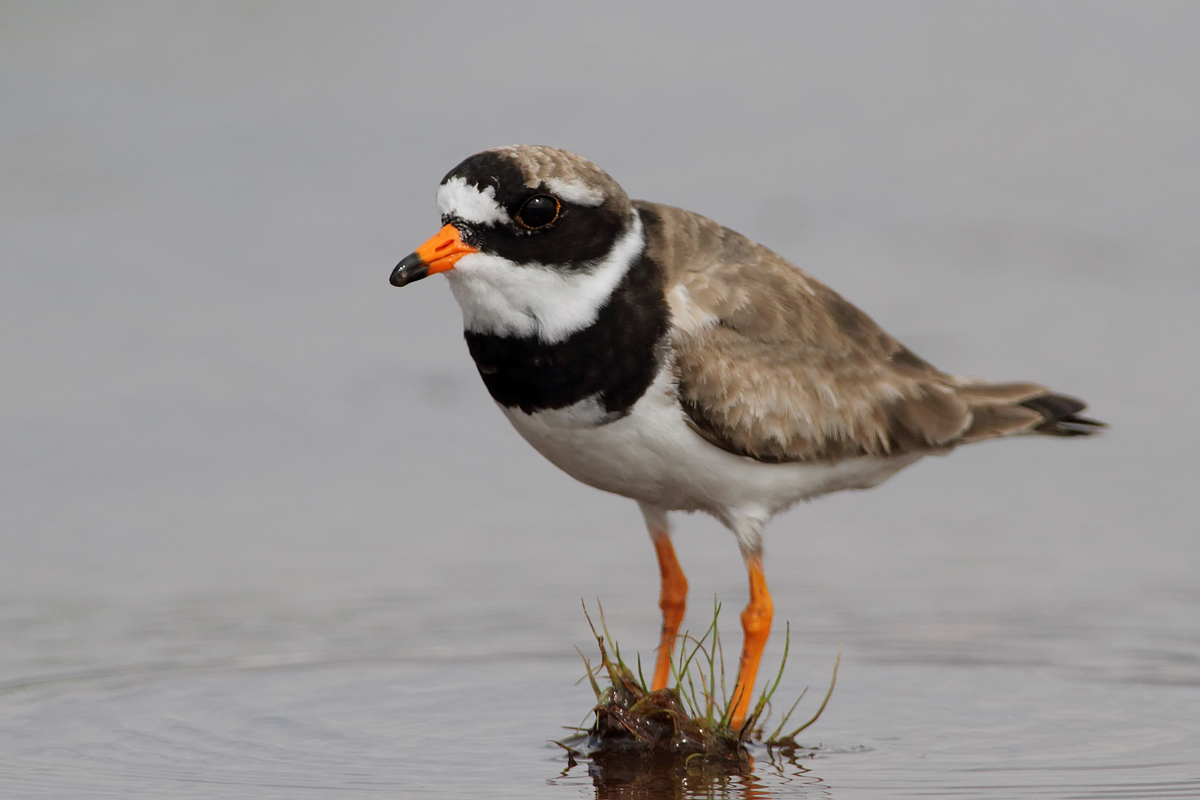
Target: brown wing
<point x="774" y="365"/>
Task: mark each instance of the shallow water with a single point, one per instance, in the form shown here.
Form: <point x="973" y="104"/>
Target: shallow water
<point x="263" y="534"/>
<point x="300" y="719"/>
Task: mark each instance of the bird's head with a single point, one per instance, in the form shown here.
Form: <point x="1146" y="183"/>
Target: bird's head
<point x="530" y="235"/>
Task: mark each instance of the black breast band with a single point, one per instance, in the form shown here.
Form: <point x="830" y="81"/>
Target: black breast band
<point x="615" y="358"/>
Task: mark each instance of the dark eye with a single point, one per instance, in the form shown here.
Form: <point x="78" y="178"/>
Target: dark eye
<point x="539" y="211"/>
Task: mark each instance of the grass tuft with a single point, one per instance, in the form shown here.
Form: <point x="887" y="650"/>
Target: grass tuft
<point x="689" y="721"/>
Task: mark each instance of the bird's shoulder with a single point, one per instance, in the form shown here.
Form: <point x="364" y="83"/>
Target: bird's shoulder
<point x="714" y="275"/>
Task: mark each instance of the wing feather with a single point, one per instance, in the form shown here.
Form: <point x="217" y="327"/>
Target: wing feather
<point x="773" y="365"/>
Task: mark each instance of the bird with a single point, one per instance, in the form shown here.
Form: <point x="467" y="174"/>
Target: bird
<point x="650" y="352"/>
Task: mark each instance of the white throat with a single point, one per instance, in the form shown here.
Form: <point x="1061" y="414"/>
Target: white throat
<point x="505" y="299"/>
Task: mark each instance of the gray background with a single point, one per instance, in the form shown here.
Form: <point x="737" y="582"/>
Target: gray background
<point x="226" y="441"/>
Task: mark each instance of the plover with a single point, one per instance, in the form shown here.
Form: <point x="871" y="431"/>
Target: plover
<point x="650" y="352"/>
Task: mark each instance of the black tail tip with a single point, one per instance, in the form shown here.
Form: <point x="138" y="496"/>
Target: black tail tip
<point x="1061" y="413"/>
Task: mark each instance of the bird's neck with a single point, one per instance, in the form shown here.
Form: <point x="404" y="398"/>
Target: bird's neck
<point x="612" y="360"/>
<point x="503" y="298"/>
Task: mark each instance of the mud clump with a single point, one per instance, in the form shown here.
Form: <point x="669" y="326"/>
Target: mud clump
<point x="631" y="721"/>
<point x="686" y="726"/>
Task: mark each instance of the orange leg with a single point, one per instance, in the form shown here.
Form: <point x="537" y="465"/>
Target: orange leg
<point x="756" y="625"/>
<point x="672" y="600"/>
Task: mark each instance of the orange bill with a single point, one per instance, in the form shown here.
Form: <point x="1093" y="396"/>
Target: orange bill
<point x="438" y="254"/>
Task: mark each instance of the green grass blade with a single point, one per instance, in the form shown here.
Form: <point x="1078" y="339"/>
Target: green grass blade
<point x="833" y="682"/>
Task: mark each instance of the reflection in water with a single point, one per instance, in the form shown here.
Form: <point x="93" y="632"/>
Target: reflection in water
<point x="640" y="777"/>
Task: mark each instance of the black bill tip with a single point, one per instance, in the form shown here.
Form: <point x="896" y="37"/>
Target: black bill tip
<point x="410" y="269"/>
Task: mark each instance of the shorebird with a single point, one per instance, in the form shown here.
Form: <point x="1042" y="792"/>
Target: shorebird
<point x="650" y="352"/>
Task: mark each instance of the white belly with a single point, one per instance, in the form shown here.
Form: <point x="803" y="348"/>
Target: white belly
<point x="651" y="455"/>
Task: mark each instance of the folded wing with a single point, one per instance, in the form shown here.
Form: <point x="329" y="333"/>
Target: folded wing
<point x="773" y="365"/>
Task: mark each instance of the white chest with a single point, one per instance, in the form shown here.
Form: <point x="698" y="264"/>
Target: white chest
<point x="651" y="455"/>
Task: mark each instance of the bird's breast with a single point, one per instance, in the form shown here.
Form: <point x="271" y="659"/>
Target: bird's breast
<point x="612" y="360"/>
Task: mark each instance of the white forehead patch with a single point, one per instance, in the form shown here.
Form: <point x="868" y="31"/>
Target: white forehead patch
<point x="506" y="299"/>
<point x="576" y="192"/>
<point x="460" y="199"/>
